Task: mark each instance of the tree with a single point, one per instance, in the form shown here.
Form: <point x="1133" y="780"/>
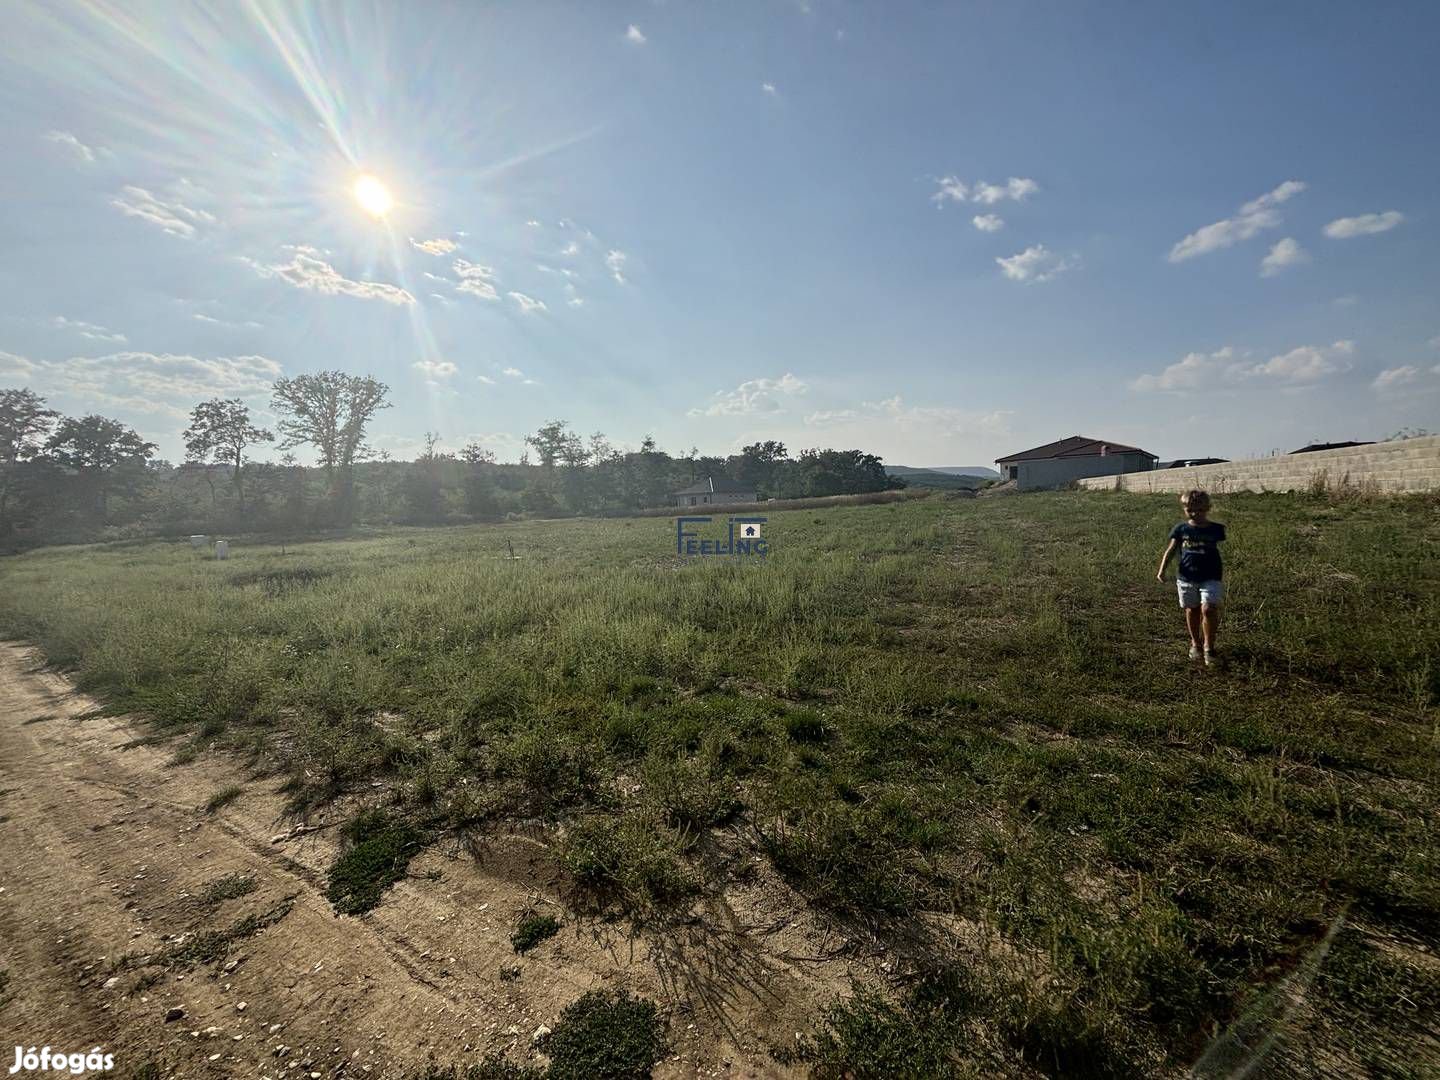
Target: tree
<point x="220" y="430"/>
<point x="103" y="455"/>
<point x="329" y="411"/>
<point x="421" y="488"/>
<point x="760" y="465"/>
<point x="24" y="424"/>
<point x="556" y="442"/>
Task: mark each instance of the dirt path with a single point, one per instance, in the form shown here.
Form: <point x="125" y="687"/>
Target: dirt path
<point x="106" y="852"/>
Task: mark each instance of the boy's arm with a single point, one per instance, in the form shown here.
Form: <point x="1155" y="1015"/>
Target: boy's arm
<point x="1165" y="558"/>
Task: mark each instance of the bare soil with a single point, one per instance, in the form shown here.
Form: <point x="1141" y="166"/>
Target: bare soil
<point x="106" y="852"/>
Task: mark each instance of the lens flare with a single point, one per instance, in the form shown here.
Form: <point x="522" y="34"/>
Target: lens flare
<point x="373" y="196"/>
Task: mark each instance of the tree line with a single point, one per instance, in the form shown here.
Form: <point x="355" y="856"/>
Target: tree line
<point x="80" y="479"/>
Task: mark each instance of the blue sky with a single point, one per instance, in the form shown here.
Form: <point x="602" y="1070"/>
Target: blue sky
<point x="939" y="232"/>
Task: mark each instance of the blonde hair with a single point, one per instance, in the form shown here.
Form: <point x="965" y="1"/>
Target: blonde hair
<point x="1195" y="499"/>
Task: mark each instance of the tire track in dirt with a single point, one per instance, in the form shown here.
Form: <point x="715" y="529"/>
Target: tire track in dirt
<point x="105" y="852"/>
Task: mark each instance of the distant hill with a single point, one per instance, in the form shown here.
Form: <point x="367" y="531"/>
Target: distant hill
<point x="943" y="476"/>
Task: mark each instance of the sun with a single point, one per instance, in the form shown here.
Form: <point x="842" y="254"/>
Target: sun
<point x="373" y="196"/>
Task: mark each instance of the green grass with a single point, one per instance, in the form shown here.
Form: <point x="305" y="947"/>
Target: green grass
<point x="934" y="709"/>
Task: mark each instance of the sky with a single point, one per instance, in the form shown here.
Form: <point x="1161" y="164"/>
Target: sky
<point x="938" y="232"/>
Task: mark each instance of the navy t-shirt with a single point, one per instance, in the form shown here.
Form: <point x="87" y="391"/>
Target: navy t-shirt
<point x="1199" y="555"/>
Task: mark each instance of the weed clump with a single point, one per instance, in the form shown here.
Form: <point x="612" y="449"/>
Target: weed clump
<point x="224" y="797"/>
<point x="378" y="853"/>
<point x="227" y="888"/>
<point x="632" y="858"/>
<point x="605" y="1036"/>
<point x="532" y="930"/>
<point x="493" y="1067"/>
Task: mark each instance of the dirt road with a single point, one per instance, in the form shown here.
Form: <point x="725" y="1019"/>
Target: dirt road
<point x="123" y="901"/>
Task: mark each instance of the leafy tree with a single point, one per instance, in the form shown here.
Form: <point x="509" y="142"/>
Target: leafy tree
<point x="24" y="424"/>
<point x="104" y="456"/>
<point x="220" y="430"/>
<point x="329" y="411"/>
<point x="423" y="489"/>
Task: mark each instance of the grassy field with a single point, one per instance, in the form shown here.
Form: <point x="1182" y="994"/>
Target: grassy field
<point x="967" y="725"/>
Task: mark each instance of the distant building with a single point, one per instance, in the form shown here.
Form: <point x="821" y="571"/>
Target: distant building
<point x="1331" y="446"/>
<point x="1191" y="462"/>
<point x="1056" y="464"/>
<point x="711" y="490"/>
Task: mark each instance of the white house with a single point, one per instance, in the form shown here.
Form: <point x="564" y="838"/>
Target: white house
<point x="712" y="490"/>
<point x="1056" y="464"/>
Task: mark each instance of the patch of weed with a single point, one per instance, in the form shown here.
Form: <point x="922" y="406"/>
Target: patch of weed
<point x="533" y="929"/>
<point x="227" y="888"/>
<point x="378" y="851"/>
<point x="605" y="1036"/>
<point x="631" y="858"/>
<point x="224" y="797"/>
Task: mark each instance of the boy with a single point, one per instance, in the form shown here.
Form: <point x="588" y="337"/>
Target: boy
<point x="1198" y="582"/>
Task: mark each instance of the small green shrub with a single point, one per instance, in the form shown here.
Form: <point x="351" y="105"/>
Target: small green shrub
<point x="378" y="854"/>
<point x="605" y="1036"/>
<point x="633" y="858"/>
<point x="532" y="930"/>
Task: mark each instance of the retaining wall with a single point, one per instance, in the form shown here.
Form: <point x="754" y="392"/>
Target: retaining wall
<point x="1402" y="465"/>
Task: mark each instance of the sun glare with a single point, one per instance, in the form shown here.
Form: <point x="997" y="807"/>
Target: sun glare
<point x="373" y="196"/>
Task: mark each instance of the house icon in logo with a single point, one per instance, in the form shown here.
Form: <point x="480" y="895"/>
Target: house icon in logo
<point x="750" y="531"/>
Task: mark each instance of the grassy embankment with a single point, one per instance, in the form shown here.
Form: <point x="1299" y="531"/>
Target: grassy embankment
<point x="927" y="714"/>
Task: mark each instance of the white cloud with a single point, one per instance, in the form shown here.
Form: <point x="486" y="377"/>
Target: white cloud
<point x="1434" y="342"/>
<point x="248" y="324"/>
<point x="947" y="421"/>
<point x="570" y="249"/>
<point x="572" y="297"/>
<point x="1226" y="367"/>
<point x="952" y="189"/>
<point x="615" y="261"/>
<point x="1396" y="376"/>
<point x="1255" y="215"/>
<point x="752" y="396"/>
<point x="768" y="88"/>
<point x="435" y="369"/>
<point x="1305" y="364"/>
<point x="1036" y="264"/>
<point x="172" y="215"/>
<point x="1191" y="372"/>
<point x="528" y="304"/>
<point x="826" y="417"/>
<point x="513" y="372"/>
<point x="307" y="270"/>
<point x="532" y="223"/>
<point x="634" y="36"/>
<point x="1285" y="253"/>
<point x="1346" y="228"/>
<point x="988" y="222"/>
<point x="475" y="279"/>
<point x="1348" y="300"/>
<point x="438" y="246"/>
<point x="149" y="382"/>
<point x="87" y="330"/>
<point x="486" y="379"/>
<point x="10" y="364"/>
<point x="1017" y="188"/>
<point x="85" y="153"/>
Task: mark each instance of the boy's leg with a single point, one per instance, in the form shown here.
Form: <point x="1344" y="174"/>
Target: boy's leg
<point x="1193" y="624"/>
<point x="1211" y="624"/>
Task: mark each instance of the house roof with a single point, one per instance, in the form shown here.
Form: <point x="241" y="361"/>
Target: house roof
<point x="1312" y="447"/>
<point x="1074" y="446"/>
<point x="714" y="485"/>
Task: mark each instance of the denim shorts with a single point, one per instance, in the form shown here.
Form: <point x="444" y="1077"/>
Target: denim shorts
<point x="1195" y="593"/>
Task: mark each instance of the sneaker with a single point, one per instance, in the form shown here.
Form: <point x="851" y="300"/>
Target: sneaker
<point x="1212" y="659"/>
<point x="1194" y="652"/>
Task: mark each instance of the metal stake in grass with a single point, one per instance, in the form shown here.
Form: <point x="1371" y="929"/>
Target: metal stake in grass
<point x="511" y="546"/>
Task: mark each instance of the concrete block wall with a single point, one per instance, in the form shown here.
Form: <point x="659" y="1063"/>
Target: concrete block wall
<point x="1402" y="465"/>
